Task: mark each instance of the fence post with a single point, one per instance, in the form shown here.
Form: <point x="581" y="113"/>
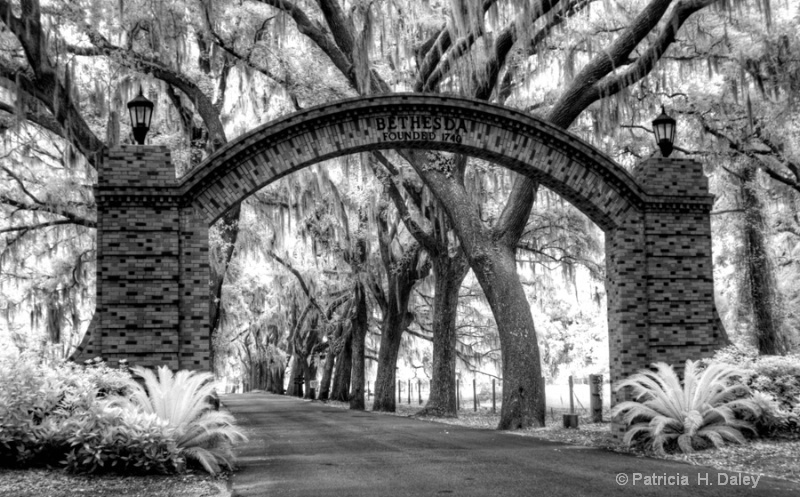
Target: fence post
<point x="494" y="401"/>
<point x="399" y="392"/>
<point x="409" y="391"/>
<point x="419" y="390"/>
<point x="474" y="396"/>
<point x="571" y="397"/>
<point x="458" y="394"/>
<point x="571" y="419"/>
<point x="596" y="397"/>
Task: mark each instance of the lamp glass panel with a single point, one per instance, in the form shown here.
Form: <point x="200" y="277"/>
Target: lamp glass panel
<point x="660" y="131"/>
<point x="148" y="114"/>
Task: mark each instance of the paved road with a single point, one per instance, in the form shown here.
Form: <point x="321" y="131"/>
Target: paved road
<point x="300" y="448"/>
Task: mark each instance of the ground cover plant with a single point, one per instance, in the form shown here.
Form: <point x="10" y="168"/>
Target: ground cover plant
<point x="90" y="419"/>
<point x="181" y="400"/>
<point x="705" y="409"/>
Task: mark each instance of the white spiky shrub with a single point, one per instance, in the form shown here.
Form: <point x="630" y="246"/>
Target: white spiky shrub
<point x="181" y="399"/>
<point x="705" y="408"/>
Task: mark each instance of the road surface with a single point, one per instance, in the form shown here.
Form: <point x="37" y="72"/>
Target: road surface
<point x="303" y="448"/>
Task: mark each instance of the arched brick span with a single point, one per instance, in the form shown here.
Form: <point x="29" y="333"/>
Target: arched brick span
<point x="152" y="302"/>
<point x="523" y="143"/>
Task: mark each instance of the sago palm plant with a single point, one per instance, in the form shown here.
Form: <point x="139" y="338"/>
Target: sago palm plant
<point x="703" y="409"/>
<point x="201" y="433"/>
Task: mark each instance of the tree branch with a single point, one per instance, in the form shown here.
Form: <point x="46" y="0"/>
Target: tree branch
<point x="41" y="80"/>
<point x="440" y="44"/>
<point x="45" y="121"/>
<point x="423" y="237"/>
<point x="35" y="226"/>
<point x="151" y="65"/>
<point x="317" y="35"/>
<point x="300" y="280"/>
<point x="647" y="61"/>
<point x="70" y="218"/>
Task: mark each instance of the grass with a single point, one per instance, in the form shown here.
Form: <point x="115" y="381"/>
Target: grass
<point x="770" y="457"/>
<point x="58" y="483"/>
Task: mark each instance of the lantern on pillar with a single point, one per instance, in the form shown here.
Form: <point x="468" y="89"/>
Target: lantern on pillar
<point x="664" y="129"/>
<point x="141" y="110"/>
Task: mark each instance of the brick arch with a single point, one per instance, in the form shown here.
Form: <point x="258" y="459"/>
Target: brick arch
<point x="559" y="160"/>
<point x="152" y="235"/>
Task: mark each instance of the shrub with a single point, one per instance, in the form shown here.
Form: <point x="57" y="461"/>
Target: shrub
<point x="54" y="414"/>
<point x="92" y="418"/>
<point x="31" y="396"/>
<point x="112" y="437"/>
<point x="775" y="382"/>
<point x="202" y="434"/>
<point x="774" y="420"/>
<point x="704" y="409"/>
<point x="109" y="381"/>
<point x="779" y="376"/>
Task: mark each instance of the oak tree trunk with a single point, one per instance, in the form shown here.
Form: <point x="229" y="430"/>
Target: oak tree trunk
<point x="402" y="274"/>
<point x="391" y="333"/>
<point x="327" y="370"/>
<point x="295" y="388"/>
<point x="759" y="287"/>
<point x="491" y="253"/>
<point x="277" y="374"/>
<point x="310" y="374"/>
<point x="341" y="375"/>
<point x="359" y="335"/>
<point x="522" y="373"/>
<point x="448" y="273"/>
<point x="268" y="386"/>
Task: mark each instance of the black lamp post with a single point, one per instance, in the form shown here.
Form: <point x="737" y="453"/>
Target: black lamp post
<point x="141" y="111"/>
<point x="664" y="129"/>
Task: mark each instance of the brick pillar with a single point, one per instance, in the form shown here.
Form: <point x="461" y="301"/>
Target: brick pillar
<point x="151" y="253"/>
<point x="660" y="281"/>
<point x="680" y="280"/>
<point x="626" y="290"/>
<point x="194" y="287"/>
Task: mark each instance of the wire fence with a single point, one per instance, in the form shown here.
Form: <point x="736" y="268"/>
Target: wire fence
<point x="473" y="395"/>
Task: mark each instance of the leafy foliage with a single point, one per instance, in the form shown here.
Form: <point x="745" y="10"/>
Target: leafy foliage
<point x="706" y="408"/>
<point x="775" y="382"/>
<point x="181" y="400"/>
<point x="108" y="436"/>
<point x="93" y="419"/>
<point x="52" y="414"/>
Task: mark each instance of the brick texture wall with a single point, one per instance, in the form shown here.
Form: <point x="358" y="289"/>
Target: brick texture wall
<point x="152" y="266"/>
<point x="660" y="282"/>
